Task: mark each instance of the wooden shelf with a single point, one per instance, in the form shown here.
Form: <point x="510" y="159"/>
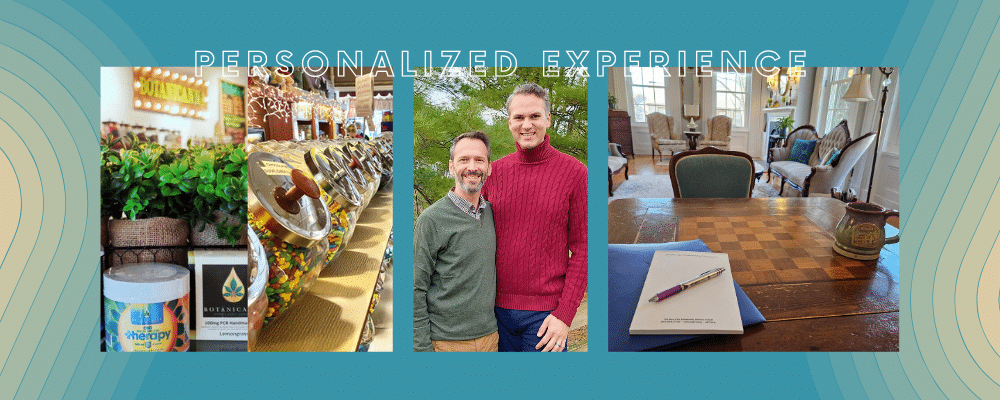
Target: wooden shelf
<point x="331" y="316"/>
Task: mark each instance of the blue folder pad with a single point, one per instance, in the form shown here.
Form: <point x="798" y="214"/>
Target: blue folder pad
<point x="627" y="268"/>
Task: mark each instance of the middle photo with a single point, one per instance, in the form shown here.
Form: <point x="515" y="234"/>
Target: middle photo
<point x="500" y="201"/>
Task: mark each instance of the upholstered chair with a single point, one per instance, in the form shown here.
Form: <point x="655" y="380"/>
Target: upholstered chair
<point x="719" y="129"/>
<point x="821" y="178"/>
<point x="804" y="132"/>
<point x="712" y="173"/>
<point x="781" y="153"/>
<point x="662" y="135"/>
<point x="837" y="139"/>
<point x="616" y="162"/>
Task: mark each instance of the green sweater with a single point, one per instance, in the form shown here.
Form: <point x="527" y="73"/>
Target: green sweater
<point x="454" y="275"/>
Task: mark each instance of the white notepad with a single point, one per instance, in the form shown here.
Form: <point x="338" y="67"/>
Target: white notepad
<point x="708" y="308"/>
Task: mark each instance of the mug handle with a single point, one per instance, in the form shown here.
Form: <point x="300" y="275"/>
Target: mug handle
<point x="894" y="239"/>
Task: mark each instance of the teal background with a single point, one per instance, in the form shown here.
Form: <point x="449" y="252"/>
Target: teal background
<point x="51" y="52"/>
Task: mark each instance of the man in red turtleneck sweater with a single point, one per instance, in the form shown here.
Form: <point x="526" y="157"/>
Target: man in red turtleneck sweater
<point x="539" y="199"/>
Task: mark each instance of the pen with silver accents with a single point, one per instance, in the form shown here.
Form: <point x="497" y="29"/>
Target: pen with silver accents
<point x="687" y="285"/>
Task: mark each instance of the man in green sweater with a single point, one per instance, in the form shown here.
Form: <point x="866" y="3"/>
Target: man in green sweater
<point x="454" y="259"/>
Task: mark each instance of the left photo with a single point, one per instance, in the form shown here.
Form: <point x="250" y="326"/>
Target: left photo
<point x="174" y="210"/>
<point x="246" y="210"/>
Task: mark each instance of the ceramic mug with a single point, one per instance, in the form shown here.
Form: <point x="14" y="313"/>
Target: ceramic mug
<point x="861" y="233"/>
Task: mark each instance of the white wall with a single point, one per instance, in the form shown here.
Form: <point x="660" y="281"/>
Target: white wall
<point x="117" y="102"/>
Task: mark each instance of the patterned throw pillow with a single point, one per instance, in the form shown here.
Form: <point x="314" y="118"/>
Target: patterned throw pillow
<point x="833" y="157"/>
<point x="802" y="150"/>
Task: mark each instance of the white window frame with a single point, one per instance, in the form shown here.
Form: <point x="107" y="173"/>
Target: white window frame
<point x="639" y="117"/>
<point x="826" y="110"/>
<point x="748" y="83"/>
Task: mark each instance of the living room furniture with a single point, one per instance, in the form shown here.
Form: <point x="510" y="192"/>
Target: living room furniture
<point x="720" y="127"/>
<point x="661" y="134"/>
<point x="616" y="163"/>
<point x="758" y="171"/>
<point x="712" y="173"/>
<point x="818" y="176"/>
<point x="781" y="254"/>
<point x="805" y="132"/>
<point x="692" y="141"/>
<point x="620" y="131"/>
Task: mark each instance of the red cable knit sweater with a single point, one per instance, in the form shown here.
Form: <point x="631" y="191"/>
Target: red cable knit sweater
<point x="539" y="199"/>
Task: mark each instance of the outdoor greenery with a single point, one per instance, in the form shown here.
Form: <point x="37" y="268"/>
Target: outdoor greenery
<point x="446" y="104"/>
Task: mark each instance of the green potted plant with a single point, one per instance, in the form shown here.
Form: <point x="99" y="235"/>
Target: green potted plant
<point x="784" y="124"/>
<point x="216" y="179"/>
<point x="151" y="217"/>
<point x="612" y="102"/>
<point x="110" y="206"/>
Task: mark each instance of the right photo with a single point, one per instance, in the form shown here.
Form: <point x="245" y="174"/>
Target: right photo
<point x="753" y="210"/>
<point x="500" y="208"/>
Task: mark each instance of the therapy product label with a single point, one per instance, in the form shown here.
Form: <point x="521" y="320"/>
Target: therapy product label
<point x="148" y="327"/>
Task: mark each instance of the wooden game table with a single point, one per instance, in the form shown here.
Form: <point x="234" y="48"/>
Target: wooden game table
<point x="781" y="254"/>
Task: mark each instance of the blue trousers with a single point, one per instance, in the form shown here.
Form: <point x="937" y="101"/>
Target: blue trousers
<point x="519" y="329"/>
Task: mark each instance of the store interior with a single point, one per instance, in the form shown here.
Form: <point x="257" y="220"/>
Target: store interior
<point x="119" y="94"/>
<point x="173" y="204"/>
<point x="320" y="167"/>
<point x="200" y="169"/>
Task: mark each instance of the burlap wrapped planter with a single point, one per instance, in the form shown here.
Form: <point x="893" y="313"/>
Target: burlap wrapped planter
<point x="104" y="231"/>
<point x="209" y="236"/>
<point x="150" y="234"/>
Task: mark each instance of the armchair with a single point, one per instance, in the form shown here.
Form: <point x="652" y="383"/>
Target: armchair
<point x="712" y="173"/>
<point x="616" y="163"/>
<point x="719" y="129"/>
<point x="662" y="135"/>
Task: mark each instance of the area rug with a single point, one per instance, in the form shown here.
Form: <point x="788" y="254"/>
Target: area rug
<point x="658" y="186"/>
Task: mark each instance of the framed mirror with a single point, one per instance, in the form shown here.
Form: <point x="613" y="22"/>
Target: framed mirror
<point x="782" y="83"/>
<point x="691" y="94"/>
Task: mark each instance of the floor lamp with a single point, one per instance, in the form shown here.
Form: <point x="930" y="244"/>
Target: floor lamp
<point x="860" y="90"/>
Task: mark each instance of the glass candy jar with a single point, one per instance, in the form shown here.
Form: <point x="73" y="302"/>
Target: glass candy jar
<point x="343" y="199"/>
<point x="292" y="223"/>
<point x="256" y="299"/>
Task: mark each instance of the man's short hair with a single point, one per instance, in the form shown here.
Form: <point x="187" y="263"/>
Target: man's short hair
<point x="533" y="89"/>
<point x="470" y="135"/>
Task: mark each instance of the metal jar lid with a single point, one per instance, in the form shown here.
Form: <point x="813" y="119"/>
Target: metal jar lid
<point x="357" y="162"/>
<point x="286" y="200"/>
<point x="333" y="180"/>
<point x="343" y="161"/>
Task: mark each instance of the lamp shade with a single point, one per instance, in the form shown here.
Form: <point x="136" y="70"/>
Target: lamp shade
<point x="691" y="110"/>
<point x="860" y="89"/>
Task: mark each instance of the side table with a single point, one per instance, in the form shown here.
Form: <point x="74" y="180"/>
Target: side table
<point x="692" y="139"/>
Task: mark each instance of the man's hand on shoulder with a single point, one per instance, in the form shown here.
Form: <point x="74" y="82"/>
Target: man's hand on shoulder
<point x="553" y="333"/>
